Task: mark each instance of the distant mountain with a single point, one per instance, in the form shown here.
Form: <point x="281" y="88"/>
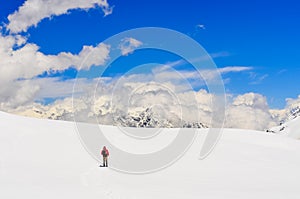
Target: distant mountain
<point x="293" y="113"/>
<point x="145" y="118"/>
<point x="150" y="119"/>
<point x="290" y="125"/>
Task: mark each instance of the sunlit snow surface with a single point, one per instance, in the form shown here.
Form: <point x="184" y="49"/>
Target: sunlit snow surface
<point x="45" y="159"/>
<point x="290" y="128"/>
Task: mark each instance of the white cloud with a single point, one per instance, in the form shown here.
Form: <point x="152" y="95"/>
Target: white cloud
<point x="22" y="61"/>
<point x="128" y="45"/>
<point x="249" y="111"/>
<point x="293" y="103"/>
<point x="33" y="11"/>
<point x="252" y="100"/>
<point x="256" y="78"/>
<point x="30" y="61"/>
<point x="198" y="59"/>
<point x="219" y="54"/>
<point x="230" y="69"/>
<point x="17" y="93"/>
<point x="167" y="72"/>
<point x="210" y="75"/>
<point x="201" y="26"/>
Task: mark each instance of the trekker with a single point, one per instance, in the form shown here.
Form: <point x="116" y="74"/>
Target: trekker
<point x="105" y="154"/>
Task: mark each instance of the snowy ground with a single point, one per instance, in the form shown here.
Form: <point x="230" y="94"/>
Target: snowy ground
<point x="45" y="159"/>
<point x="290" y="128"/>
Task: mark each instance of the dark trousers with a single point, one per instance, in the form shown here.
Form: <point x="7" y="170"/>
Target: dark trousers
<point x="105" y="164"/>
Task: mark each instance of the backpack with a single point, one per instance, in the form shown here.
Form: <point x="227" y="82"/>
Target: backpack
<point x="104" y="153"/>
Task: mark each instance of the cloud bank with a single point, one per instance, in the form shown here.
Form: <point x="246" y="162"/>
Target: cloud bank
<point x="21" y="62"/>
<point x="249" y="111"/>
<point x="171" y="102"/>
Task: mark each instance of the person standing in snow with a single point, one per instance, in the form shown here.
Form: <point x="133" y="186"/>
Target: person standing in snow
<point x="105" y="154"/>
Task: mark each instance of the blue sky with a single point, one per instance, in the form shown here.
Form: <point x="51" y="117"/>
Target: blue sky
<point x="263" y="35"/>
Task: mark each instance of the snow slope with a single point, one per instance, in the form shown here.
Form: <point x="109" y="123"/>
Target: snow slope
<point x="45" y="159"/>
<point x="291" y="128"/>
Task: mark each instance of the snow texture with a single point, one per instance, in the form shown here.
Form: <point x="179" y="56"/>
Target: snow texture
<point x="45" y="159"/>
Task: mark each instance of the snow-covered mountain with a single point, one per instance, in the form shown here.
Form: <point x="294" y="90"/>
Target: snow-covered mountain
<point x="148" y="118"/>
<point x="293" y="113"/>
<point x="142" y="117"/>
<point x="45" y="159"/>
<point x="290" y="125"/>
